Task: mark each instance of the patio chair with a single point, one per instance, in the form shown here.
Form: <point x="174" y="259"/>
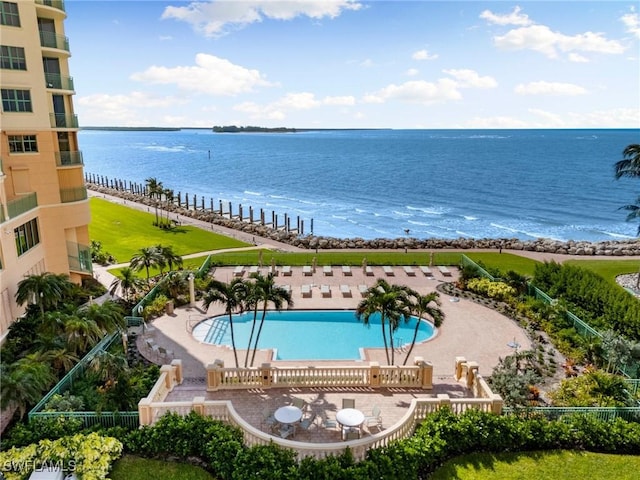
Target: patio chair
<point x="286" y="430"/>
<point x="149" y="343"/>
<point x="164" y="353"/>
<point x="350" y="434"/>
<point x="327" y="422"/>
<point x="268" y="420"/>
<point x="375" y="419"/>
<point x="298" y="402"/>
<point x="307" y="423"/>
<point x="348" y="403"/>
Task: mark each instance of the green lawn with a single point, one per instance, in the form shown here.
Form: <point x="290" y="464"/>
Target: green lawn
<point x="135" y="468"/>
<point x="608" y="269"/>
<point x="122" y="231"/>
<point x="556" y="465"/>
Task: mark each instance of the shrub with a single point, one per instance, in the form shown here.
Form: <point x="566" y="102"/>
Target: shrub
<point x="23" y="434"/>
<point x="497" y="290"/>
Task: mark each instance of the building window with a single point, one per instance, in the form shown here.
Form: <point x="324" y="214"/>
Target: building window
<point x="27" y="236"/>
<point x="12" y="58"/>
<point x="16" y="100"/>
<point x="9" y="14"/>
<point x="22" y="143"/>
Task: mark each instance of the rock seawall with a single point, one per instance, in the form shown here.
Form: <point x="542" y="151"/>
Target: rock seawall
<point x="620" y="248"/>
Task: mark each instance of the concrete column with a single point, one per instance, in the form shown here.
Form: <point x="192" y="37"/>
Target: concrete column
<point x="198" y="405"/>
<point x="458" y="367"/>
<point x="472" y="371"/>
<point x="177" y="366"/>
<point x="444" y="400"/>
<point x="144" y="411"/>
<point x="169" y="377"/>
<point x="496" y="404"/>
<point x="213" y="375"/>
<point x="374" y="368"/>
<point x="426" y="373"/>
<point x="265" y="373"/>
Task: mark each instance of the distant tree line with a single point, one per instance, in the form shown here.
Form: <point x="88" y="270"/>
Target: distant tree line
<point x="234" y="129"/>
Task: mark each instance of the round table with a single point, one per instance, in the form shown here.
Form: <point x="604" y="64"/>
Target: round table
<point x="289" y="414"/>
<point x="350" y="417"/>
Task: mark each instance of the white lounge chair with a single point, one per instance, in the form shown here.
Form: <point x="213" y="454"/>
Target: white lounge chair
<point x="273" y="270"/>
<point x="325" y="290"/>
<point x="388" y="271"/>
<point x="409" y="271"/>
<point x="363" y="289"/>
<point x="305" y="290"/>
<point x="346" y="270"/>
<point x="307" y="271"/>
<point x="238" y="271"/>
<point x="426" y="271"/>
<point x="327" y="270"/>
<point x="346" y="290"/>
<point x="444" y="271"/>
<point x="286" y="271"/>
<point x="368" y="271"/>
<point x="253" y="269"/>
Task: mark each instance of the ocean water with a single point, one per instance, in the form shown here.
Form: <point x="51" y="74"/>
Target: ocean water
<point x="369" y="184"/>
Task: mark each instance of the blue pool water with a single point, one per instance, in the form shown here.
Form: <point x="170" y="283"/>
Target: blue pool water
<point x="309" y="334"/>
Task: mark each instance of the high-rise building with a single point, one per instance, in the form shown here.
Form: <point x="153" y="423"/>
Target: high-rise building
<point x="44" y="210"/>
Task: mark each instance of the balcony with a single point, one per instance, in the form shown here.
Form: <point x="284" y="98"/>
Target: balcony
<point x="54" y="80"/>
<point x="65" y="159"/>
<point x="2" y="219"/>
<point x="21" y="205"/>
<point x="53" y="40"/>
<point x="59" y="4"/>
<point x="79" y="257"/>
<point x="63" y="120"/>
<point x="68" y="195"/>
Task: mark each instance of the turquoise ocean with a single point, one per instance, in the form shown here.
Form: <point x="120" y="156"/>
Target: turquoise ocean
<point x="369" y="184"/>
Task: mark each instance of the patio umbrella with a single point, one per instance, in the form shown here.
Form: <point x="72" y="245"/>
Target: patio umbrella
<point x="431" y="259"/>
<point x="364" y="264"/>
<point x="260" y="258"/>
<point x="273" y="265"/>
<point x="314" y="264"/>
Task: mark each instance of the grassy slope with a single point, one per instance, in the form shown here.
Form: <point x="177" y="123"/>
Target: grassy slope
<point x="123" y="231"/>
<point x="556" y="465"/>
<point x="134" y="468"/>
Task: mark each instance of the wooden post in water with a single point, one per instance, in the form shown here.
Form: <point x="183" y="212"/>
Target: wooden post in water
<point x="301" y="231"/>
<point x="220" y="206"/>
<point x="202" y="203"/>
<point x="275" y="221"/>
<point x="186" y="201"/>
<point x="250" y="214"/>
<point x="211" y="204"/>
<point x="195" y="205"/>
<point x="230" y="212"/>
<point x="261" y="216"/>
<point x="240" y="211"/>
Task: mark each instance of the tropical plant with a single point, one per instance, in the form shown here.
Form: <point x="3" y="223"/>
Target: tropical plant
<point x="168" y="256"/>
<point x="232" y="296"/>
<point x="629" y="166"/>
<point x="126" y="281"/>
<point x="108" y="366"/>
<point x="174" y="284"/>
<point x="154" y="188"/>
<point x="594" y="388"/>
<point x="266" y="292"/>
<point x="392" y="303"/>
<point x="424" y="306"/>
<point x="80" y="334"/>
<point x="146" y="257"/>
<point x="22" y="383"/>
<point x="108" y="316"/>
<point x="46" y="290"/>
<point x="514" y="376"/>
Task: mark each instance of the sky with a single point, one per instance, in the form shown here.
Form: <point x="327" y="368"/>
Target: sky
<point x="356" y="64"/>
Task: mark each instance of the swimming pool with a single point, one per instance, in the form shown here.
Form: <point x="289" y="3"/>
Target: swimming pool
<point x="309" y="334"/>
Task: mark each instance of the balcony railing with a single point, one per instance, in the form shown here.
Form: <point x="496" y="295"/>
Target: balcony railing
<point x="55" y="80"/>
<point x="21" y="205"/>
<point x="73" y="194"/>
<point x="59" y="4"/>
<point x="2" y="219"/>
<point x="53" y="40"/>
<point x="64" y="159"/>
<point x="63" y="120"/>
<point x="79" y="257"/>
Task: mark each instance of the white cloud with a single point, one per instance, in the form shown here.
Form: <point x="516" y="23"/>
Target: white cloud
<point x="412" y="72"/>
<point x="496" y="122"/>
<point x="550" y="88"/>
<point x="632" y="22"/>
<point x="541" y="39"/>
<point x="298" y="101"/>
<point x="424" y="55"/>
<point x="470" y="78"/>
<point x="513" y="18"/>
<point x="210" y="75"/>
<point x="343" y="100"/>
<point x="577" y="58"/>
<point x="214" y="18"/>
<point x="418" y="91"/>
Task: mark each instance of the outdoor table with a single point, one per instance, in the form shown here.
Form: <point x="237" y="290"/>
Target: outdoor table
<point x="289" y="414"/>
<point x="350" y="417"/>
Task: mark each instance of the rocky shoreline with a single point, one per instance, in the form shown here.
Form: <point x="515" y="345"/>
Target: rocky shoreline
<point x="620" y="248"/>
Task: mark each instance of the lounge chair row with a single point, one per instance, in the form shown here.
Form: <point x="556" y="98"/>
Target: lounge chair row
<point x="307" y="270"/>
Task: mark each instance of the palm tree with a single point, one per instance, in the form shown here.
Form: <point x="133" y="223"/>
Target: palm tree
<point x="268" y="292"/>
<point x="23" y="383"/>
<point x="168" y="198"/>
<point x="107" y="316"/>
<point x="46" y="290"/>
<point x="108" y="366"/>
<point x="146" y="258"/>
<point x="174" y="283"/>
<point x="251" y="302"/>
<point x="425" y="305"/>
<point x="169" y="257"/>
<point x="232" y="296"/>
<point x="391" y="302"/>
<point x="80" y="334"/>
<point x="630" y="165"/>
<point x="127" y="281"/>
<point x="154" y="187"/>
